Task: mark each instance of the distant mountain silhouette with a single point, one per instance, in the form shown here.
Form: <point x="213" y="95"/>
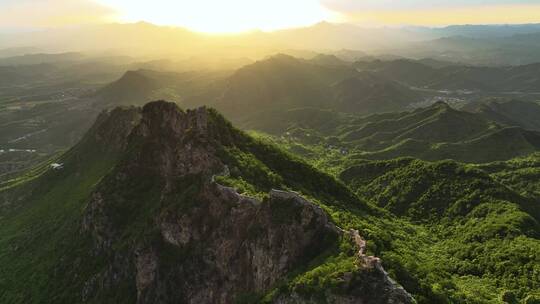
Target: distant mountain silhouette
<point x="522" y="78"/>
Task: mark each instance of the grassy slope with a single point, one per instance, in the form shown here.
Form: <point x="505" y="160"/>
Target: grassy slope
<point x="40" y="219"/>
<point x="40" y="233"/>
<point x="466" y="233"/>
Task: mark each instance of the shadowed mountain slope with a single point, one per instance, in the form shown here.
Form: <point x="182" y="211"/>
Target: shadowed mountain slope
<point x="509" y="112"/>
<point x="138" y="213"/>
<point x="276" y="84"/>
<point x="520" y="78"/>
<point x="433" y="133"/>
<point x="157" y="204"/>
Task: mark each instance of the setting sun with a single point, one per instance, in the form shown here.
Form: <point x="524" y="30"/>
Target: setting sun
<point x="269" y="151"/>
<point x="222" y="16"/>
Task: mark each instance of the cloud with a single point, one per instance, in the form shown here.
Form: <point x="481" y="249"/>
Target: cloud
<point x="352" y="6"/>
<point x="239" y="15"/>
<point x="436" y="13"/>
<point x="50" y="13"/>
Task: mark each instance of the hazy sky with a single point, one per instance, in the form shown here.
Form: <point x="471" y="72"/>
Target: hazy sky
<point x="241" y="15"/>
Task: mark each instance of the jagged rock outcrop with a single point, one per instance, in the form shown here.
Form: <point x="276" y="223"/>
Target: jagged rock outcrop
<point x="173" y="235"/>
<point x="241" y="245"/>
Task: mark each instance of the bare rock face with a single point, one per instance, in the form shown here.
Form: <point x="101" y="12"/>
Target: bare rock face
<point x="186" y="239"/>
<point x="241" y="244"/>
<point x="172" y="143"/>
<point x="146" y="265"/>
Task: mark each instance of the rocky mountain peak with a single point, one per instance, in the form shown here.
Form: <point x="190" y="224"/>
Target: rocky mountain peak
<point x="172" y="142"/>
<point x="172" y="234"/>
<point x="161" y="117"/>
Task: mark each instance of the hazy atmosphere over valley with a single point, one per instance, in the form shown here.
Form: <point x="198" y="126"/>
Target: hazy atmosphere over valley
<point x="276" y="152"/>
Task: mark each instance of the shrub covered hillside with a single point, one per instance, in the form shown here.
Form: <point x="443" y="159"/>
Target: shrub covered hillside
<point x="472" y="230"/>
<point x="483" y="233"/>
<point x="144" y="211"/>
<point x="135" y="215"/>
<point x="436" y="132"/>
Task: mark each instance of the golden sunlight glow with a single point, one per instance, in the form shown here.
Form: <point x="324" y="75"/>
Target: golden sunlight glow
<point x="222" y="16"/>
<point x="496" y="14"/>
<point x="53" y="13"/>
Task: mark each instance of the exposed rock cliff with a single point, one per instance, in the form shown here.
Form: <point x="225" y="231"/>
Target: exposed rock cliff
<point x="170" y="234"/>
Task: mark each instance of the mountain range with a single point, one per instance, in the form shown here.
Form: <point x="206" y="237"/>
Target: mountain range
<point x="437" y="132"/>
<point x="157" y="204"/>
<point x="287" y="94"/>
<point x="454" y="77"/>
<point x="278" y="82"/>
<point x="331" y="163"/>
<point x="480" y="44"/>
<point x="123" y="220"/>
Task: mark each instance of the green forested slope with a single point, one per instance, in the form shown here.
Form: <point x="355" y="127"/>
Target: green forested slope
<point x="436" y="132"/>
<point x="448" y="232"/>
